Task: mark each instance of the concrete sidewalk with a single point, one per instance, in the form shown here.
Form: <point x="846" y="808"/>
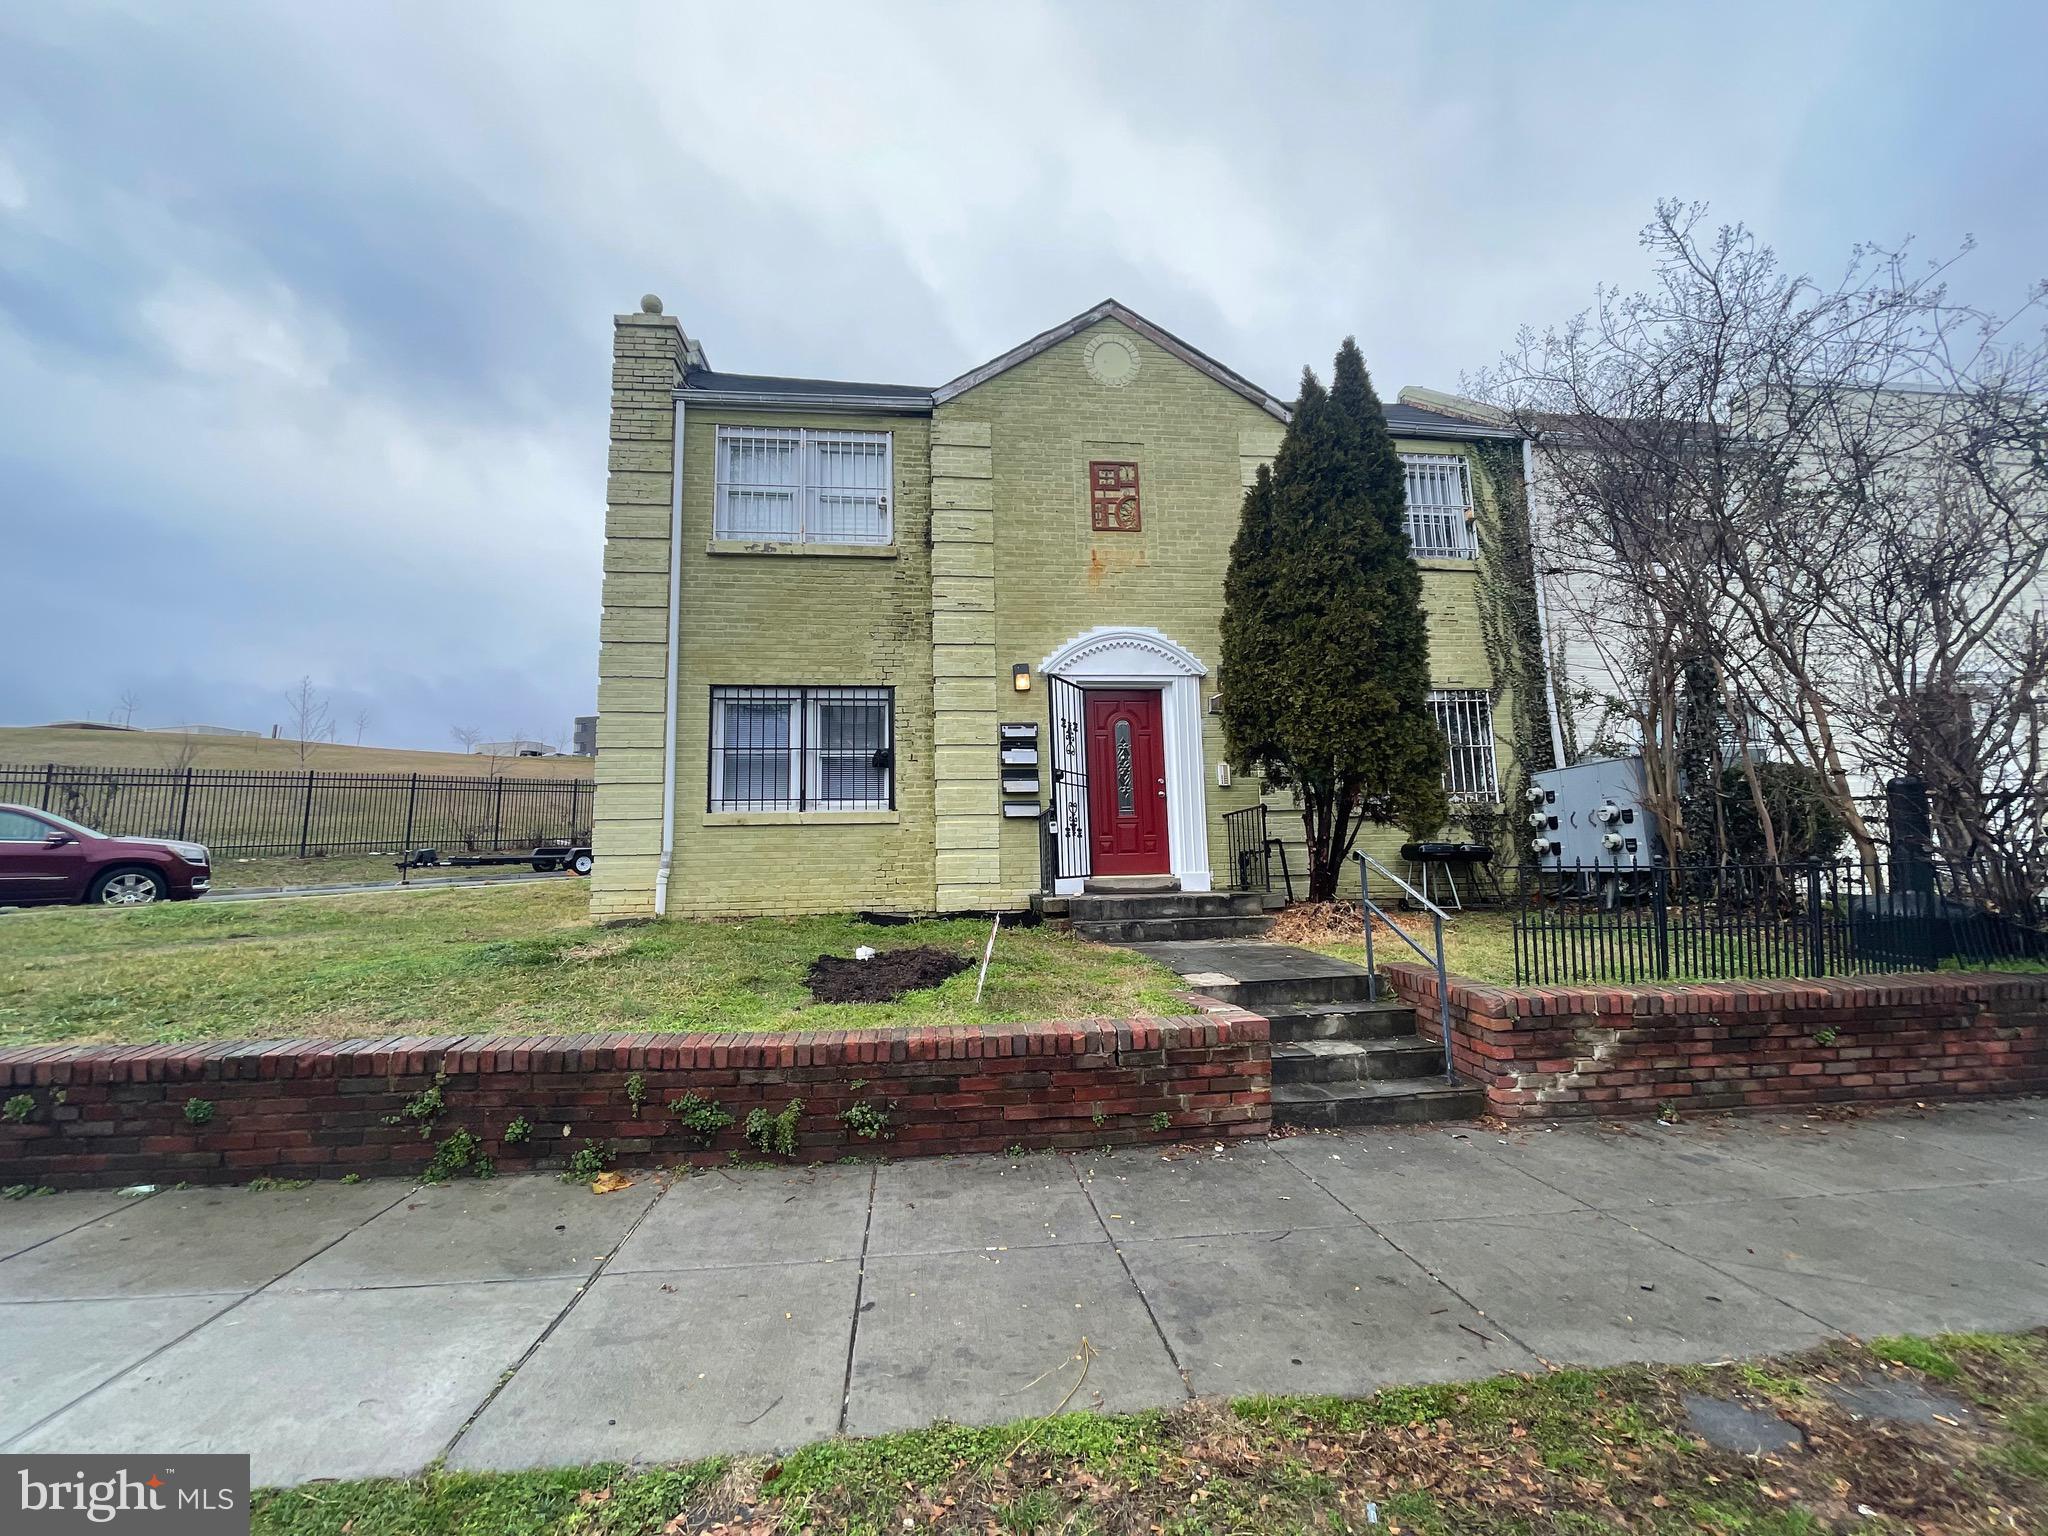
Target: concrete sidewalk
<point x="351" y="1330"/>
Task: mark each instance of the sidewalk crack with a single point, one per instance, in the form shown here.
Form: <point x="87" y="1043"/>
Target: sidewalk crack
<point x="860" y="1280"/>
<point x="1186" y="1381"/>
<point x="581" y="1291"/>
<point x="1431" y="1275"/>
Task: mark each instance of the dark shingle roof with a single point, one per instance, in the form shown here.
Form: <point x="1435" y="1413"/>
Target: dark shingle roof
<point x="1413" y="419"/>
<point x="1402" y="419"/>
<point x="769" y="384"/>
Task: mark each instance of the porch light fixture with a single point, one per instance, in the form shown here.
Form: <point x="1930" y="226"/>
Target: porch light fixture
<point x="1020" y="677"/>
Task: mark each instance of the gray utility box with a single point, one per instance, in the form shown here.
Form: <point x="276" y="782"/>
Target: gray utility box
<point x="1589" y="813"/>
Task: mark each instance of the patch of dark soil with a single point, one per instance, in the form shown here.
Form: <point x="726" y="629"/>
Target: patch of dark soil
<point x="883" y="979"/>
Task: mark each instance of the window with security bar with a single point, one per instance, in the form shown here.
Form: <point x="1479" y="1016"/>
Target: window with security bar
<point x="1465" y="715"/>
<point x="803" y="749"/>
<point x="1440" y="506"/>
<point x="803" y="485"/>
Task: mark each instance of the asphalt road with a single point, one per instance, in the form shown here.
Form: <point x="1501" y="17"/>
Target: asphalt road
<point x="417" y="883"/>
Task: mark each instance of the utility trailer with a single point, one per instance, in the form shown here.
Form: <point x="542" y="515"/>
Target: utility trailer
<point x="573" y="857"/>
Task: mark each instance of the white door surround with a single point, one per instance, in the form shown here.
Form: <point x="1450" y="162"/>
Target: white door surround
<point x="1130" y="657"/>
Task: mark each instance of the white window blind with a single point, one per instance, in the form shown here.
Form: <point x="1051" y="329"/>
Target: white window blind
<point x="803" y="485"/>
<point x="1465" y="715"/>
<point x="1440" y="506"/>
<point x="802" y="749"/>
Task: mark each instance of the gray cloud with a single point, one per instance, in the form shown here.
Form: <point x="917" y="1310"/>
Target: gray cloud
<point x="304" y="311"/>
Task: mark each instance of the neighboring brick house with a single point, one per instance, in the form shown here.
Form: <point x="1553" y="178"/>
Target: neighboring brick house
<point x="885" y="600"/>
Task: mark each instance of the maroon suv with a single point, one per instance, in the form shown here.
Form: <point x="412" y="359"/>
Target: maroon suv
<point x="45" y="858"/>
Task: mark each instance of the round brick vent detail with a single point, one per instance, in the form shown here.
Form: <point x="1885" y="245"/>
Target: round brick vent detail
<point x="1111" y="361"/>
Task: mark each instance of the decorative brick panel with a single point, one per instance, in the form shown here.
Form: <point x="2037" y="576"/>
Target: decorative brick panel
<point x="115" y="1115"/>
<point x="1554" y="1052"/>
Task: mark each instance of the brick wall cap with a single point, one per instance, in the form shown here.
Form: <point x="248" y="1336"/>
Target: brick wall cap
<point x="553" y="1053"/>
<point x="1418" y="982"/>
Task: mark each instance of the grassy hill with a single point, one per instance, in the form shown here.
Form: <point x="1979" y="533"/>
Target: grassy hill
<point x="86" y="748"/>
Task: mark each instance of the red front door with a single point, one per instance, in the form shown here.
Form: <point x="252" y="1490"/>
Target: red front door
<point x="1126" y="783"/>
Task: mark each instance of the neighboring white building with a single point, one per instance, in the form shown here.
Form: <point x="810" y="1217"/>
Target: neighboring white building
<point x="1582" y="668"/>
<point x="199" y="730"/>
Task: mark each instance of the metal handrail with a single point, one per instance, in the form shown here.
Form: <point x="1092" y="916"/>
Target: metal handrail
<point x="1437" y="918"/>
<point x="1410" y="891"/>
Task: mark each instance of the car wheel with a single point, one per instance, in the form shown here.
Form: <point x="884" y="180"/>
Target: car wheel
<point x="128" y="888"/>
<point x="581" y="864"/>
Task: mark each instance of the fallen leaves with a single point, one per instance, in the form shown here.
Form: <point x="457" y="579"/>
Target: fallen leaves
<point x="1517" y="1452"/>
<point x="610" y="1183"/>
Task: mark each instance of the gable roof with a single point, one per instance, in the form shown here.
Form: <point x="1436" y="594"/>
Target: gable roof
<point x="1416" y="413"/>
<point x="1110" y="309"/>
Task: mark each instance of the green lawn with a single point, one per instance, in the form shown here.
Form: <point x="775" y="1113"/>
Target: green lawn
<point x="231" y="873"/>
<point x="1590" y="1453"/>
<point x="1480" y="946"/>
<point x="507" y="959"/>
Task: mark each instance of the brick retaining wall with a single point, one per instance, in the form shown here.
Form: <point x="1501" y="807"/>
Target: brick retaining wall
<point x="1545" y="1052"/>
<point x="116" y="1115"/>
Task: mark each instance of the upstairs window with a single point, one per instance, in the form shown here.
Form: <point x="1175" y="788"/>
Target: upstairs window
<point x="1440" y="507"/>
<point x="802" y="749"/>
<point x="803" y="485"/>
<point x="1465" y="716"/>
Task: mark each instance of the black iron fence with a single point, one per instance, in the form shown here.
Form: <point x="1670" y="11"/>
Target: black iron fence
<point x="266" y="812"/>
<point x="1654" y="923"/>
<point x="1244" y="836"/>
<point x="1253" y="850"/>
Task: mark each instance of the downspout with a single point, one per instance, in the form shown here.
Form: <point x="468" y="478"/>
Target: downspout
<point x="668" y="701"/>
<point x="1536" y="574"/>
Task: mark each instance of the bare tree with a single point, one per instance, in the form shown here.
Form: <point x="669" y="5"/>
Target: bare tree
<point x="362" y="723"/>
<point x="123" y="712"/>
<point x="466" y="736"/>
<point x="1825" y="502"/>
<point x="312" y="718"/>
<point x="180" y="752"/>
<point x="1941" y="602"/>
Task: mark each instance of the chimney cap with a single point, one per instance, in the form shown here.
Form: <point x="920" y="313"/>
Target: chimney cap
<point x="650" y="304"/>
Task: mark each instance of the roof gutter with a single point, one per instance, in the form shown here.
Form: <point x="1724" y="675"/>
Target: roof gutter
<point x="668" y="701"/>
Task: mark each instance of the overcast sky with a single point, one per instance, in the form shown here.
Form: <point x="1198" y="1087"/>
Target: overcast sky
<point x="305" y="309"/>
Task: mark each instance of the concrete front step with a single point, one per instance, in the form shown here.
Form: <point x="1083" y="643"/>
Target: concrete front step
<point x="1087" y="908"/>
<point x="1168" y="930"/>
<point x="1342" y="1021"/>
<point x="1259" y="976"/>
<point x="1350" y="1061"/>
<point x="1268" y="994"/>
<point x="1407" y="1101"/>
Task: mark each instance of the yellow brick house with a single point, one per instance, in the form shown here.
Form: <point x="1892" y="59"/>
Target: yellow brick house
<point x="857" y="638"/>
